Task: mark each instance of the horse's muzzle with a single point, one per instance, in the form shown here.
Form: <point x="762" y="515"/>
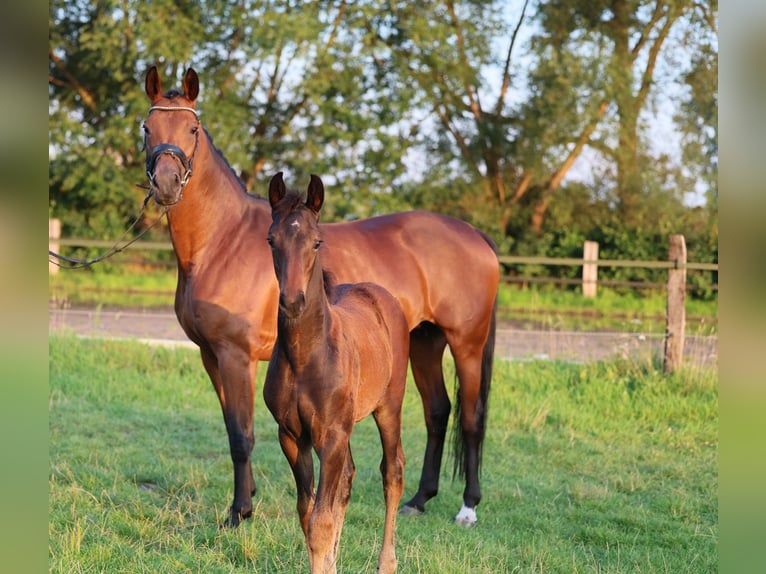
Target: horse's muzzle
<point x="169" y="171"/>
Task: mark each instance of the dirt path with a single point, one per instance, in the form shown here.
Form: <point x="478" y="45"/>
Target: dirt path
<point x="512" y="342"/>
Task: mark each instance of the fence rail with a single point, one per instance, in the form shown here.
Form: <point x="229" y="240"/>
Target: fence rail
<point x="507" y="260"/>
<point x="676" y="265"/>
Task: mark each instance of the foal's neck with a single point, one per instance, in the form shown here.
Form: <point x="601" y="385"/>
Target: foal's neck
<point x="302" y="337"/>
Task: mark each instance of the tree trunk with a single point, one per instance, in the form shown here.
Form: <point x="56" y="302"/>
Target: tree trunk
<point x="626" y="154"/>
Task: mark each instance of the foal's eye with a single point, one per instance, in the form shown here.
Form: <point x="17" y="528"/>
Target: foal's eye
<point x="317" y="244"/>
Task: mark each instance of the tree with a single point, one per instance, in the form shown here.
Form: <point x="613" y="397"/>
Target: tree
<point x="394" y="103"/>
<point x="592" y="77"/>
<point x="627" y="41"/>
<point x="284" y="88"/>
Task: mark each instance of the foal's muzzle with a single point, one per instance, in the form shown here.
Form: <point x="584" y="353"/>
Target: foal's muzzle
<point x="292" y="305"/>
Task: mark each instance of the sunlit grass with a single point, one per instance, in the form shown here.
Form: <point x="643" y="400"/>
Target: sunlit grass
<point x="603" y="467"/>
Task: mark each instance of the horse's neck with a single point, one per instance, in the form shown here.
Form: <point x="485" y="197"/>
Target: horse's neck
<point x="301" y="338"/>
<point x="213" y="200"/>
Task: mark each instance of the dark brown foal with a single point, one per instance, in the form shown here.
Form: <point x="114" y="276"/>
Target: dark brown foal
<point x="341" y="354"/>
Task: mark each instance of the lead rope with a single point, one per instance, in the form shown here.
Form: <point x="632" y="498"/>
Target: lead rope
<point x="73" y="263"/>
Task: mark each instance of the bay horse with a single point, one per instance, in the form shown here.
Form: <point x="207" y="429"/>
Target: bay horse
<point x="443" y="271"/>
<point x="341" y="354"/>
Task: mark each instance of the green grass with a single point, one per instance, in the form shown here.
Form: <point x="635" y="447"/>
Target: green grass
<point x="121" y="289"/>
<point x="605" y="467"/>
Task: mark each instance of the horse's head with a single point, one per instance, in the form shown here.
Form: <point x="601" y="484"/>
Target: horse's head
<point x="295" y="240"/>
<point x="171" y="136"/>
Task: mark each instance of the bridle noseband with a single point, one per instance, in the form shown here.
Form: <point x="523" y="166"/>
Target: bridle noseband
<point x="153" y="155"/>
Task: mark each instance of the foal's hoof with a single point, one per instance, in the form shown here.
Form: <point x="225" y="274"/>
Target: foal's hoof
<point x="410" y="511"/>
<point x="466" y="517"/>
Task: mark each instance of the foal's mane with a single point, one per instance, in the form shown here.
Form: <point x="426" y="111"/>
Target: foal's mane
<point x="291" y="201"/>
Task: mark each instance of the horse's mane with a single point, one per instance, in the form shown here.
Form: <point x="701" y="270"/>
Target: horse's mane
<point x="219" y="153"/>
<point x="171" y="94"/>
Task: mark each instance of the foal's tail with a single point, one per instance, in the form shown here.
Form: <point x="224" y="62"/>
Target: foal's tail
<point x="482" y="404"/>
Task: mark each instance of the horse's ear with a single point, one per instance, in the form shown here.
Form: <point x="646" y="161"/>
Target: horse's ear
<point x="191" y="85"/>
<point x="315" y="195"/>
<point x="276" y="189"/>
<point x="152" y="84"/>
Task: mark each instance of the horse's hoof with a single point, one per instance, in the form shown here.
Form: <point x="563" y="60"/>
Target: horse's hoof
<point x="466" y="517"/>
<point x="410" y="511"/>
<point x="230" y="522"/>
<point x="234" y="518"/>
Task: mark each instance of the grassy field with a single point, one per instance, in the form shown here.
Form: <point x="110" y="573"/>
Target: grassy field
<point x="608" y="467"/>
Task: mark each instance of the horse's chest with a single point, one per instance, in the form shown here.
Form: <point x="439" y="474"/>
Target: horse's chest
<point x="225" y="310"/>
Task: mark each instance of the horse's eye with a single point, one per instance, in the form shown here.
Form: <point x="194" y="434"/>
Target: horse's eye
<point x="270" y="240"/>
<point x="317" y="244"/>
<point x="194" y="130"/>
<point x="146" y="130"/>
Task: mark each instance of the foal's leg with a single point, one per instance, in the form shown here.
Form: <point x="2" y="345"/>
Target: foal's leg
<point x="389" y="421"/>
<point x="427" y="344"/>
<point x="233" y="377"/>
<point x="336" y="473"/>
<point x="302" y="465"/>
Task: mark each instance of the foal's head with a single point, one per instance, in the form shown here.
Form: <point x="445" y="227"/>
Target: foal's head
<point x="295" y="240"/>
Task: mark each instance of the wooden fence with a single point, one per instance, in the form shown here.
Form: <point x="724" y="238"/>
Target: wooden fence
<point x="676" y="284"/>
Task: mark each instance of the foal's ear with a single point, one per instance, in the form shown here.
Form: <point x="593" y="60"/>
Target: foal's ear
<point x="191" y="85"/>
<point x="315" y="196"/>
<point x="152" y="84"/>
<point x="276" y="189"/>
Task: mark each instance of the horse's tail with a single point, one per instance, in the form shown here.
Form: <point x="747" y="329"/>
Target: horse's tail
<point x="482" y="404"/>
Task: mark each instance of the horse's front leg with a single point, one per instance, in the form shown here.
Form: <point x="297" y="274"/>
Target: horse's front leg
<point x="233" y="377"/>
<point x="302" y="465"/>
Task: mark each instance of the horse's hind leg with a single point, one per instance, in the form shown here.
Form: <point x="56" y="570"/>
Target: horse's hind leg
<point x="389" y="423"/>
<point x="472" y="419"/>
<point x="427" y="344"/>
<point x="231" y="379"/>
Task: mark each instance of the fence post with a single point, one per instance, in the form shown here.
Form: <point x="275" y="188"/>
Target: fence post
<point x="54" y="233"/>
<point x="589" y="270"/>
<point x="675" y="321"/>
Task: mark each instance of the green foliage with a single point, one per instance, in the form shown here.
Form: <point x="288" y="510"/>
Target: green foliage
<point x="402" y="105"/>
<point x="609" y="466"/>
<point x="578" y="216"/>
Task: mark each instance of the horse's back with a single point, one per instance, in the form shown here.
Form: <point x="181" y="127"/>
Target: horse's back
<point x="441" y="269"/>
